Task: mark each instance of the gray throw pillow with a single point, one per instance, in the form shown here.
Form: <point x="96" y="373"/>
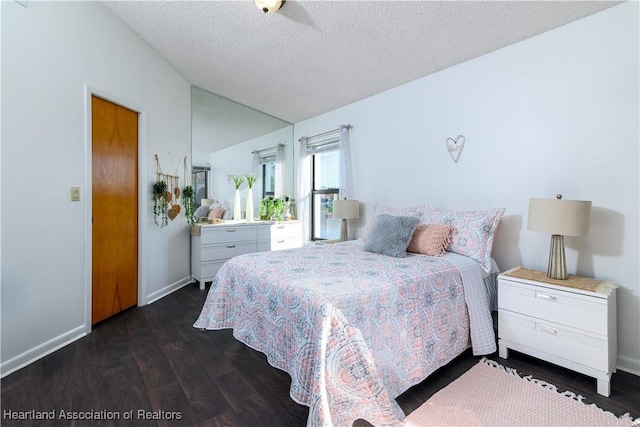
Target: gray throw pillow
<point x="201" y="212"/>
<point x="390" y="235"/>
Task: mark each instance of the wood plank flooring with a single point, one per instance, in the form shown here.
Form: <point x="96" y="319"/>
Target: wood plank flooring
<point x="151" y="359"/>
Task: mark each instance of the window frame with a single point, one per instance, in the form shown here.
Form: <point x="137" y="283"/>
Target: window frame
<point x="315" y="192"/>
<point x="263" y="167"/>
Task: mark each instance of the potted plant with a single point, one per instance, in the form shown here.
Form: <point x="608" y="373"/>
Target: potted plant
<point x="265" y="210"/>
<point x="278" y="209"/>
<point x="160" y="204"/>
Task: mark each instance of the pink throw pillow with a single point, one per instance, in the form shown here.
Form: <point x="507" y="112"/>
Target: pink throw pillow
<point x="215" y="213"/>
<point x="430" y="239"/>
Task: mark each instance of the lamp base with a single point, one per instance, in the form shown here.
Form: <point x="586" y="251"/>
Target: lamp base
<point x="557" y="261"/>
<point x="343" y="230"/>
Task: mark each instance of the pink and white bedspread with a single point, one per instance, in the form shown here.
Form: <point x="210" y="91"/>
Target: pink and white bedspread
<point x="353" y="329"/>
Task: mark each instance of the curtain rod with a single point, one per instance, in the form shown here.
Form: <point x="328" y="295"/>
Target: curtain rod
<point x="327" y="132"/>
<point x="267" y="149"/>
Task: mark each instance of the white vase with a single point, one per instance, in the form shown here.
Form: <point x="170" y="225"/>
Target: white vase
<point x="249" y="204"/>
<point x="237" y="209"/>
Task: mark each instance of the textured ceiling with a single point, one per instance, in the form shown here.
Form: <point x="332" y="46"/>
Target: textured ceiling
<point x="314" y="56"/>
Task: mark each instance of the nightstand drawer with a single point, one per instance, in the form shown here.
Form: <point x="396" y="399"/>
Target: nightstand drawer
<point x="557" y="340"/>
<point x="227" y="250"/>
<point x="553" y="305"/>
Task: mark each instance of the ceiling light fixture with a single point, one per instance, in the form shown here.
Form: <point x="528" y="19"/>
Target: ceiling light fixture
<point x="269" y="6"/>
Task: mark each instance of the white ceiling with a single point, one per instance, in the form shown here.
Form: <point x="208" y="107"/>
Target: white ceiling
<point x="314" y="56"/>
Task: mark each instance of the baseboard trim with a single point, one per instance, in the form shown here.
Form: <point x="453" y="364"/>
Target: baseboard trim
<point x="38" y="352"/>
<point x="155" y="296"/>
<point x="629" y="365"/>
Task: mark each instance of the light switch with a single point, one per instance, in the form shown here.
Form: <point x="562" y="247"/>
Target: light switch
<point x="75" y="194"/>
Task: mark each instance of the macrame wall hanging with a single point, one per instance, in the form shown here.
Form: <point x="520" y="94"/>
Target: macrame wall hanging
<point x="166" y="193"/>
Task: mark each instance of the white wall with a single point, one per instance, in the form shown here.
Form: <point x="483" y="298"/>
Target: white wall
<point x="238" y="160"/>
<point x="50" y="51"/>
<point x="557" y="113"/>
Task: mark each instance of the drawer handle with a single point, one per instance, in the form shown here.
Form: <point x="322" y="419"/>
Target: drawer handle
<point x="280" y="227"/>
<point x="231" y="246"/>
<point x="231" y="230"/>
<point x="545" y="296"/>
<point x="280" y="241"/>
<point x="547" y="329"/>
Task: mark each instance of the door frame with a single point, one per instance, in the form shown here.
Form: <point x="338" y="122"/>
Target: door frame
<point x="123" y="101"/>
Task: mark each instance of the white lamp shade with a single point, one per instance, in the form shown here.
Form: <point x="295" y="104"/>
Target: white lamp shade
<point x="557" y="216"/>
<point x="346" y="209"/>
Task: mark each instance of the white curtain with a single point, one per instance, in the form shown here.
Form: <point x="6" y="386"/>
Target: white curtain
<point x="303" y="201"/>
<point x="279" y="190"/>
<point x="255" y="165"/>
<point x="346" y="178"/>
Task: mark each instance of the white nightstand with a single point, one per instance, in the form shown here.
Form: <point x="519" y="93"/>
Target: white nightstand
<point x="571" y="323"/>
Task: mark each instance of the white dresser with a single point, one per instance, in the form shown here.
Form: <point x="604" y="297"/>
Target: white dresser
<point x="213" y="244"/>
<point x="571" y="323"/>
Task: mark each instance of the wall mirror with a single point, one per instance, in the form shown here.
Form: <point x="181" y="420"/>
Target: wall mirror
<point x="224" y="136"/>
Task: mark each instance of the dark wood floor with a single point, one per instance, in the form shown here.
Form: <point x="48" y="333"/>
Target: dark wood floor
<point x="152" y="359"/>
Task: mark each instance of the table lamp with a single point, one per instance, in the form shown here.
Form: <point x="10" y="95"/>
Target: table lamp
<point x="559" y="218"/>
<point x="345" y="209"/>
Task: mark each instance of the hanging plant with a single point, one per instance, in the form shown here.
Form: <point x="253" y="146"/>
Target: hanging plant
<point x="188" y="196"/>
<point x="160" y="204"/>
<point x="189" y="202"/>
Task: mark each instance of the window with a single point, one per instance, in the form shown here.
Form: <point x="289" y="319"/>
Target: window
<point x="268" y="178"/>
<point x="200" y="180"/>
<point x="325" y="165"/>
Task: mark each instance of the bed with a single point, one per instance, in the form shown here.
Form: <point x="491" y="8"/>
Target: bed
<point x="354" y="329"/>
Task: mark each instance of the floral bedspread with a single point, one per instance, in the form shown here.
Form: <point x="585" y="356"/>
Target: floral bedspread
<point x="353" y="329"/>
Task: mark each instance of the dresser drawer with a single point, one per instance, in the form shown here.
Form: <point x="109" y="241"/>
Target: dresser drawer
<point x="227" y="250"/>
<point x="227" y="234"/>
<point x="285" y="243"/>
<point x="209" y="269"/>
<point x="285" y="229"/>
<point x="553" y="305"/>
<point x="568" y="343"/>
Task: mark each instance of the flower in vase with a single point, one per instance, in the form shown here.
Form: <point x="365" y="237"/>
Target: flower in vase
<point x="250" y="180"/>
<point x="238" y="180"/>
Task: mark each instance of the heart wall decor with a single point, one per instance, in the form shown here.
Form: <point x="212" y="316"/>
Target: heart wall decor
<point x="455" y="146"/>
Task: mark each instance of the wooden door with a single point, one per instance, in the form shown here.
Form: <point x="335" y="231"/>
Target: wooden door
<point x="114" y="208"/>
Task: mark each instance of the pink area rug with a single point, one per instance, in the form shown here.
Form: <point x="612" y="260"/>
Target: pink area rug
<point x="492" y="395"/>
